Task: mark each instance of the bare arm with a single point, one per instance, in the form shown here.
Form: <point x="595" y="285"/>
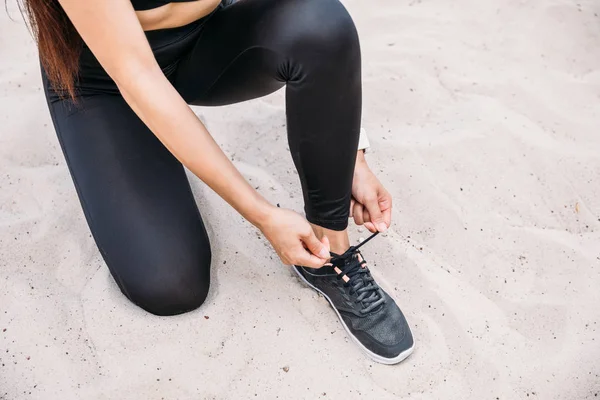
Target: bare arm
<point x="114" y="34"/>
<point x="112" y="31"/>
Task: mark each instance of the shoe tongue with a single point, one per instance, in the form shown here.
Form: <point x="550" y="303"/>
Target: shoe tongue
<point x="349" y="259"/>
<point x="344" y="261"/>
<point x="355" y="258"/>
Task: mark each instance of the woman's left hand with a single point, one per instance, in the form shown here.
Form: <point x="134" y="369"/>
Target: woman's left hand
<point x="371" y="203"/>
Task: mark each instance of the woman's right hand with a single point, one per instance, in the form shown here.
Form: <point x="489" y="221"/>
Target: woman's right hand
<point x="293" y="239"/>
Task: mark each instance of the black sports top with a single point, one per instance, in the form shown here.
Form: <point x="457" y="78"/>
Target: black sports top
<point x="140" y="5"/>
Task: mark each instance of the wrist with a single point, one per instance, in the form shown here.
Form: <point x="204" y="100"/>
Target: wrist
<point x="361" y="161"/>
<point x="260" y="213"/>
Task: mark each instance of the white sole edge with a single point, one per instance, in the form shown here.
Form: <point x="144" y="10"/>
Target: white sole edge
<point x="375" y="357"/>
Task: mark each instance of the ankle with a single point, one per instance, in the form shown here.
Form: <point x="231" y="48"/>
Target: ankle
<point x="338" y="240"/>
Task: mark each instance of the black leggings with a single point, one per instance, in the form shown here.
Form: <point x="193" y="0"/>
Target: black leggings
<point x="135" y="194"/>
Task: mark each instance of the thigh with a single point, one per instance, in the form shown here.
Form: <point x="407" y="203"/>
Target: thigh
<point x="253" y="47"/>
<point x="137" y="202"/>
<point x="232" y="60"/>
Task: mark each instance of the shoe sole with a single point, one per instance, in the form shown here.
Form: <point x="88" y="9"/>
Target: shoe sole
<point x="375" y="357"/>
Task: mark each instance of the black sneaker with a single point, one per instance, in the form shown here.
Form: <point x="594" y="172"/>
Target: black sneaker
<point x="367" y="312"/>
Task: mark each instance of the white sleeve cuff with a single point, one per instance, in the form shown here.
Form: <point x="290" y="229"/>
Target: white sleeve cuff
<point x="363" y="140"/>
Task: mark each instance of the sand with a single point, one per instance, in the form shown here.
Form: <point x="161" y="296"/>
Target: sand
<point x="484" y="117"/>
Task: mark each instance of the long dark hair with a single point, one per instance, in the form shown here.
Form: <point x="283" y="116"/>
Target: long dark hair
<point x="58" y="42"/>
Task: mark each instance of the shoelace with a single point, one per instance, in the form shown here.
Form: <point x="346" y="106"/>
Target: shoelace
<point x="349" y="267"/>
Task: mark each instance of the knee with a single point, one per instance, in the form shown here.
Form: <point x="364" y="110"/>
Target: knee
<point x="169" y="298"/>
<point x="322" y="27"/>
<point x="177" y="291"/>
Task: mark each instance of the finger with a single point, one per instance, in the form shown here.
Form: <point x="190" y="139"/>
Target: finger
<point x="368" y="224"/>
<point x="385" y="204"/>
<point x="370" y="227"/>
<point x="366" y="215"/>
<point x="352" y="207"/>
<point x="325" y="241"/>
<point x="315" y="246"/>
<point x="305" y="259"/>
<point x="387" y="217"/>
<point x="285" y="261"/>
<point x="358" y="213"/>
<point x="372" y="206"/>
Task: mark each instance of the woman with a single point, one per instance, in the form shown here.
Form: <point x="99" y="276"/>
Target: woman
<point x="118" y="77"/>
